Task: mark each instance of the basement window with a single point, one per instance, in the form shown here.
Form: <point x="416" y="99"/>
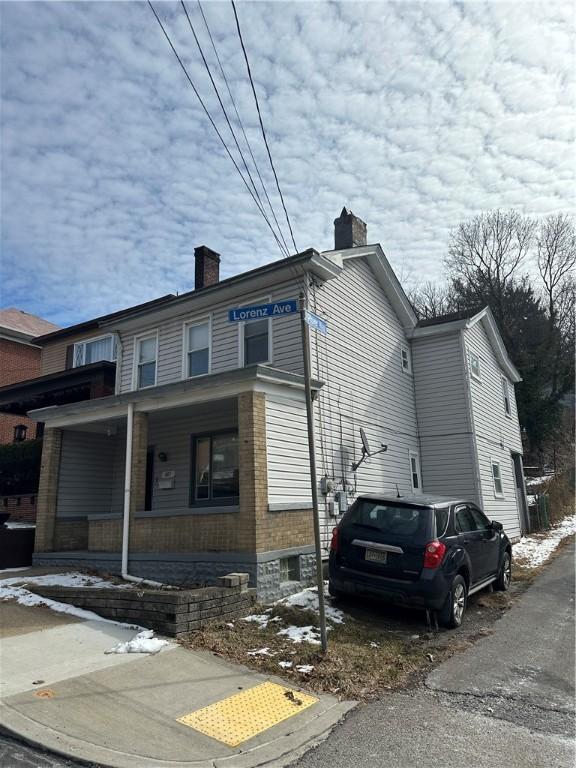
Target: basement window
<point x="290" y="568"/>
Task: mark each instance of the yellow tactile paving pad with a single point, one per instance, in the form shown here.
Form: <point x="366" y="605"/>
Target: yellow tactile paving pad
<point x="245" y="715"/>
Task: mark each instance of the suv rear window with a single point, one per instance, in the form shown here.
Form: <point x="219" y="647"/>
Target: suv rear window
<point x="389" y="519"/>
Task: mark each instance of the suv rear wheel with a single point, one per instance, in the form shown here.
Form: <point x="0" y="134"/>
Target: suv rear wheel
<point x="453" y="610"/>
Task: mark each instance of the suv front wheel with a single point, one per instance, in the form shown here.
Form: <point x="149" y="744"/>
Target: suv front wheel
<point x="505" y="576"/>
<point x="453" y="610"/>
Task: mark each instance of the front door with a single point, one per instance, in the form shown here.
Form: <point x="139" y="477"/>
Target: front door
<point x="490" y="544"/>
<point x="470" y="538"/>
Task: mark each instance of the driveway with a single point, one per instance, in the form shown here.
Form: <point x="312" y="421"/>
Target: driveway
<point x="509" y="699"/>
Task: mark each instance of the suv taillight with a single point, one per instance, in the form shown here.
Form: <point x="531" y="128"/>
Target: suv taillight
<point x="335" y="543"/>
<point x="434" y="554"/>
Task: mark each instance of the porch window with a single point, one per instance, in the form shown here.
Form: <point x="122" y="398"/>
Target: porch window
<point x="94" y="350"/>
<point x="497" y="479"/>
<point x="197" y="339"/>
<point x="506" y="396"/>
<point x="415" y="472"/>
<point x="146" y="354"/>
<point x="256" y="342"/>
<point x="215" y="469"/>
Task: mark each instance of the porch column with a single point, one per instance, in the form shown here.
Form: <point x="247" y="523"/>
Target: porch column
<point x="48" y="490"/>
<point x="252" y="466"/>
<point x="138" y="486"/>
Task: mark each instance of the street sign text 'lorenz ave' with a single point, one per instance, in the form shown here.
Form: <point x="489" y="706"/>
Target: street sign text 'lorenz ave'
<point x="260" y="311"/>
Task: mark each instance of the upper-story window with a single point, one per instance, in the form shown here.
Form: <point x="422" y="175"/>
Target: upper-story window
<point x="197" y="346"/>
<point x="474" y="366"/>
<point x="405" y="359"/>
<point x="415" y="477"/>
<point x="145" y="358"/>
<point x="94" y="350"/>
<point x="256" y="340"/>
<point x="506" y="396"/>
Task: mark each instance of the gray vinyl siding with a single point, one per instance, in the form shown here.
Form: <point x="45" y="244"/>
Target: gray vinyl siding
<point x="497" y="435"/>
<point x="447" y="451"/>
<point x="365" y="387"/>
<point x="85" y="478"/>
<point x="286" y="348"/>
<point x="287" y="451"/>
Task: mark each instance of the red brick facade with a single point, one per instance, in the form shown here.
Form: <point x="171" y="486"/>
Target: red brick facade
<point x="17" y="363"/>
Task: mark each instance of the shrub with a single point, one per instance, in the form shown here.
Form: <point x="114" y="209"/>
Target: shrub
<point x="20" y="467"/>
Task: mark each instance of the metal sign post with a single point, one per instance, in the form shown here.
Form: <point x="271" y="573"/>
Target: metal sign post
<point x="306" y="319"/>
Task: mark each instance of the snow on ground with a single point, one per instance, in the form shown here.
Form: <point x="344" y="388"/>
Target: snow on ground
<point x="262" y="619"/>
<point x="143" y="642"/>
<point x="308" y="634"/>
<point x="308" y="599"/>
<point x="261" y="652"/>
<point x="536" y="549"/>
<point x="68" y="579"/>
<point x="15" y="570"/>
<point x="15" y="525"/>
<point x="285" y="664"/>
<point x="538" y="480"/>
<point x="305" y="669"/>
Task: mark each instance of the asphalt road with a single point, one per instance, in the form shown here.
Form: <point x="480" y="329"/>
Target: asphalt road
<point x="508" y="700"/>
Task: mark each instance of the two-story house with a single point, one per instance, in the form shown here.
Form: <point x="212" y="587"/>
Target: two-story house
<point x="197" y="464"/>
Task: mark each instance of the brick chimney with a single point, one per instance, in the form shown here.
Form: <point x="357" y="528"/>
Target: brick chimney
<point x="207" y="270"/>
<point x="349" y="231"/>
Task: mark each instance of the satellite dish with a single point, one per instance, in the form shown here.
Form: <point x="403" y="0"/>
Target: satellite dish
<point x="364" y="439"/>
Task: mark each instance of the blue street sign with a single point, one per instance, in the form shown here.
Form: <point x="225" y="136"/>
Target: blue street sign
<point x="259" y="311"/>
<point x="316" y="322"/>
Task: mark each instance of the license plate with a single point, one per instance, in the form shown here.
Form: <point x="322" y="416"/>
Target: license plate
<point x="376" y="555"/>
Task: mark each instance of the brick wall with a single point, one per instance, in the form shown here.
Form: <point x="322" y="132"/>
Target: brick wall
<point x="22" y="508"/>
<point x="70" y="535"/>
<point x="18" y="362"/>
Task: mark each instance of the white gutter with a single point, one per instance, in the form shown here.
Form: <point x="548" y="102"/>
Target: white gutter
<point x="127" y="497"/>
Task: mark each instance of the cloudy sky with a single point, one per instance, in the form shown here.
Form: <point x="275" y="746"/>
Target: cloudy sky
<point x="415" y="115"/>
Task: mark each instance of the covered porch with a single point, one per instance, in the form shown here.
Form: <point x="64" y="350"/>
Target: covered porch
<point x="195" y="487"/>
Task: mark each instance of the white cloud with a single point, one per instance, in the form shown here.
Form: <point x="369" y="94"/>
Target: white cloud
<point x="415" y="114"/>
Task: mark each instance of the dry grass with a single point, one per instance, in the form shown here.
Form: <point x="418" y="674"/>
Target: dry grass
<point x="361" y="662"/>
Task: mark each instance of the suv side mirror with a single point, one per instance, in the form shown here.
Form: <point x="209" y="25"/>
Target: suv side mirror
<point x="497" y="526"/>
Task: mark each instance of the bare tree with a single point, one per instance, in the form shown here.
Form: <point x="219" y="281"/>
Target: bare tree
<point x="486" y="253"/>
<point x="556" y="253"/>
<point x="430" y="300"/>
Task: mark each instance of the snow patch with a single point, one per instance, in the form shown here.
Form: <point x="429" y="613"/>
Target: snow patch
<point x="308" y="634"/>
<point x="536" y="549"/>
<point x="143" y="642"/>
<point x="68" y="579"/>
<point x="308" y="599"/>
<point x="285" y="664"/>
<point x="261" y="652"/>
<point x="262" y="619"/>
<point x="538" y="480"/>
<point x="305" y="669"/>
<point x="18" y="526"/>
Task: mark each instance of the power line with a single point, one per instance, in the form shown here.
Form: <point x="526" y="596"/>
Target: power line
<point x="240" y="121"/>
<point x="217" y="92"/>
<point x="261" y="123"/>
<point x="209" y="116"/>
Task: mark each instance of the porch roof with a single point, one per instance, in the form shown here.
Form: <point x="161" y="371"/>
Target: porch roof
<point x="205" y="389"/>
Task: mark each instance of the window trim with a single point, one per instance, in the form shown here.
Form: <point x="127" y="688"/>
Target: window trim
<point x="473" y="374"/>
<point x="242" y="325"/>
<point x="415" y="455"/>
<point x="89" y="341"/>
<point x="506" y="397"/>
<point x="193" y="503"/>
<point x="407" y="370"/>
<point x="493" y="463"/>
<point x="185" y="350"/>
<point x="137" y="340"/>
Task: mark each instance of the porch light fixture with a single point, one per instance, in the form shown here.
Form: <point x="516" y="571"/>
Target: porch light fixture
<point x="20" y="433"/>
<point x="162" y="456"/>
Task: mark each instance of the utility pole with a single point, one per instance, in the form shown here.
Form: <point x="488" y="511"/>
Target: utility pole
<point x="312" y="453"/>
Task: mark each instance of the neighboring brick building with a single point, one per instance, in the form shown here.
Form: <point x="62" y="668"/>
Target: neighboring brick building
<point x="19" y="361"/>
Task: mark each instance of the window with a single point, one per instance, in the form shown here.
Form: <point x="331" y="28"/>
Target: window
<point x="474" y="366"/>
<point x="20" y="433"/>
<point x="497" y="479"/>
<point x="256" y="342"/>
<point x="405" y="359"/>
<point x="197" y="346"/>
<point x="290" y="568"/>
<point x="145" y="358"/>
<point x="465" y="520"/>
<point x="415" y="472"/>
<point x="94" y="350"/>
<point x="482" y="522"/>
<point x="215" y="469"/>
<point x="506" y="396"/>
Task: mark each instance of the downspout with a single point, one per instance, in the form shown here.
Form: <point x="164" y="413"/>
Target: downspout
<point x="127" y="497"/>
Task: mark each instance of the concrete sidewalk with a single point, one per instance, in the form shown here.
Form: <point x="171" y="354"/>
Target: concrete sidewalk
<point x="62" y="692"/>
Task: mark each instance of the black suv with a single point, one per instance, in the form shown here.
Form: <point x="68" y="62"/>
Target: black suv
<point x="427" y="552"/>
